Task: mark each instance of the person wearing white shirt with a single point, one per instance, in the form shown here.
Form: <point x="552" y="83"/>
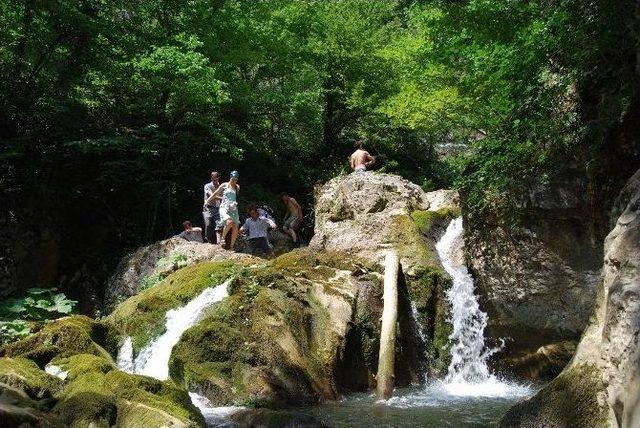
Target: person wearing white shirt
<point x="257" y="230"/>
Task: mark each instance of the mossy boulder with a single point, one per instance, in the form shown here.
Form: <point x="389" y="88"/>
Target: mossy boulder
<point x="125" y="400"/>
<point x="25" y="375"/>
<point x="60" y="338"/>
<point x="280" y="337"/>
<point x="143" y="316"/>
<point x="154" y="262"/>
<point x="93" y="393"/>
<point x="570" y="400"/>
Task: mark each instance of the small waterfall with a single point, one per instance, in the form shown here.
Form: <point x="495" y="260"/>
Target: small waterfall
<point x="214" y="416"/>
<point x="125" y="356"/>
<point x="468" y="372"/>
<point x="153" y="360"/>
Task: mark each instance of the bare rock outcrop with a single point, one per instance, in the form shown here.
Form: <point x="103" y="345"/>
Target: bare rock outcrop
<point x="537" y="280"/>
<point x="601" y="386"/>
<point x="364" y="214"/>
<point x="150" y="264"/>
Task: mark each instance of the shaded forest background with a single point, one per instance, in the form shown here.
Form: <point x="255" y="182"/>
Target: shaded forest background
<point x="113" y="113"/>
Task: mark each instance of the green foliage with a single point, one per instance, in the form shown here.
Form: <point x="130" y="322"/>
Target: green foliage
<point x="13" y="330"/>
<point x="138" y="101"/>
<point x="39" y="304"/>
<point x="176" y="260"/>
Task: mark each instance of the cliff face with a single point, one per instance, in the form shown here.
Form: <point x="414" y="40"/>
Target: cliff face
<point x="601" y="386"/>
<point x="537" y="281"/>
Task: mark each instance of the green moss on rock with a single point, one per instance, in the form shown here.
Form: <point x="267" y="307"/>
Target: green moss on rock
<point x="272" y="341"/>
<point x="26" y="376"/>
<point x="79" y="364"/>
<point x="60" y="338"/>
<point x="117" y="398"/>
<point x="428" y="293"/>
<point x="142" y="316"/>
<point x="570" y="400"/>
<point x="425" y="219"/>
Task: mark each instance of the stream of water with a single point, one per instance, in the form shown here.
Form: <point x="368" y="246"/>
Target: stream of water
<point x="153" y="360"/>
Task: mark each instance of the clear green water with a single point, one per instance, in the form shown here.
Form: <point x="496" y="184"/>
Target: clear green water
<point x="435" y="405"/>
<point x="416" y="407"/>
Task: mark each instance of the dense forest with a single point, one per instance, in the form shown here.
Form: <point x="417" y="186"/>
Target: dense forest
<point x="113" y="113"/>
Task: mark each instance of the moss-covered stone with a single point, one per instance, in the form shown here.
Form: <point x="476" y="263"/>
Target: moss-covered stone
<point x="142" y="316"/>
<point x="410" y="243"/>
<point x="570" y="400"/>
<point x="79" y="364"/>
<point x="428" y="294"/>
<point x="275" y="340"/>
<point x="117" y="398"/>
<point x="60" y="338"/>
<point x="26" y="376"/>
<point x="425" y="220"/>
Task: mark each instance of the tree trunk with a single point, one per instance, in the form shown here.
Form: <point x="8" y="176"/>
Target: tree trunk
<point x="386" y="356"/>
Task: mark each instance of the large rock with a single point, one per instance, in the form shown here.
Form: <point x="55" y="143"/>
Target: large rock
<point x="536" y="280"/>
<point x="298" y="329"/>
<point x="87" y="389"/>
<point x="601" y="386"/>
<point x="148" y="265"/>
<point x="364" y="214"/>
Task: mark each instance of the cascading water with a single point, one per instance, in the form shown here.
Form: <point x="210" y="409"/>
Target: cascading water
<point x="153" y="360"/>
<point x="468" y="372"/>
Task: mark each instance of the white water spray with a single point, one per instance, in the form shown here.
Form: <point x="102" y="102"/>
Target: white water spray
<point x="468" y="372"/>
<point x="153" y="360"/>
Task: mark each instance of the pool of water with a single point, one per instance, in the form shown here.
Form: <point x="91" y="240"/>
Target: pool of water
<point x="431" y="406"/>
<point x="436" y="405"/>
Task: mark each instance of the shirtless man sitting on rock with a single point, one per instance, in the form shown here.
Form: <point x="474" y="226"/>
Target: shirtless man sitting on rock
<point x="360" y="160"/>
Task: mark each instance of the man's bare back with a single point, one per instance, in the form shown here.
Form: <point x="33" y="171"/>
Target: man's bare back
<point x="360" y="160"/>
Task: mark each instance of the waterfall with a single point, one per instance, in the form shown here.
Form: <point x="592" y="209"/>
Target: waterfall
<point x="468" y="372"/>
<point x="153" y="360"/>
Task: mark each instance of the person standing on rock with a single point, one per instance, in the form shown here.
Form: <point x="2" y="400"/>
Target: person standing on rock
<point x="360" y="160"/>
<point x="229" y="216"/>
<point x="211" y="212"/>
<point x="292" y="217"/>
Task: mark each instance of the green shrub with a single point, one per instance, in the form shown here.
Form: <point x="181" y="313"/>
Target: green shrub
<point x="13" y="330"/>
<point x="39" y="304"/>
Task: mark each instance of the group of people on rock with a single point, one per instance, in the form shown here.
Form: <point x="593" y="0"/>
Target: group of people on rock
<point x="222" y="219"/>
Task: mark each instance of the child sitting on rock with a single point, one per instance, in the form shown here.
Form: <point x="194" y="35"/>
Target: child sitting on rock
<point x="257" y="230"/>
